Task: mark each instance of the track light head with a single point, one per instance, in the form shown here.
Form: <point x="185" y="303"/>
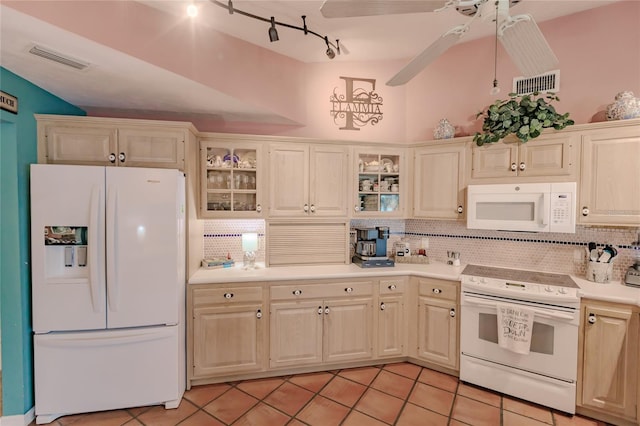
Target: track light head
<point x="273" y="32"/>
<point x="330" y="53"/>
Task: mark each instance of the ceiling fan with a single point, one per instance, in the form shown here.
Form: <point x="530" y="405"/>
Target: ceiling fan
<point x="519" y="34"/>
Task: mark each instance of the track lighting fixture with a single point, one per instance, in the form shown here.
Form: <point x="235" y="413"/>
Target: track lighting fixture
<point x="273" y="33"/>
<point x="330" y="53"/>
<point x="332" y="48"/>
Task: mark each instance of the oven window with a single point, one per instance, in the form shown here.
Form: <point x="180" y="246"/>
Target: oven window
<point x="524" y="211"/>
<point x="541" y="338"/>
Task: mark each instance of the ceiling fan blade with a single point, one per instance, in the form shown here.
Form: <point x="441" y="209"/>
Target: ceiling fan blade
<point x="428" y="55"/>
<point x="352" y="8"/>
<point x="522" y="39"/>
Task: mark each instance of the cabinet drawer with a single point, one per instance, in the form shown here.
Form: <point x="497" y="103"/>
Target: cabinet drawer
<point x="392" y="286"/>
<point x="218" y="295"/>
<point x="439" y="289"/>
<point x="321" y="291"/>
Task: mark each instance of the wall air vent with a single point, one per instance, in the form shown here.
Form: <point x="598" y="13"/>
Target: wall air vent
<point x="547" y="82"/>
<point x="58" y="57"/>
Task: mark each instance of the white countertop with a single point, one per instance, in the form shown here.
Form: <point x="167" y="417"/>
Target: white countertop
<point x="285" y="273"/>
<point x="614" y="291"/>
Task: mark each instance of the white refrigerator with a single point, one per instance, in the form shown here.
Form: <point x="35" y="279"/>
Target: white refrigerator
<point x="108" y="288"/>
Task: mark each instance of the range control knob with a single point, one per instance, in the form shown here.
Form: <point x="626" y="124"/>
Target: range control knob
<point x="483" y="280"/>
<point x="472" y="279"/>
<point x="548" y="289"/>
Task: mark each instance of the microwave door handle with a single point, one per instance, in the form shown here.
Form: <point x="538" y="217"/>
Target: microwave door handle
<point x="546" y="197"/>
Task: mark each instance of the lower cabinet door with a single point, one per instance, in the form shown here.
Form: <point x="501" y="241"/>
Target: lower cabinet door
<point x="438" y="332"/>
<point x="609" y="359"/>
<point x="348" y="330"/>
<point x="296" y="333"/>
<point x="228" y="339"/>
<point x="390" y="327"/>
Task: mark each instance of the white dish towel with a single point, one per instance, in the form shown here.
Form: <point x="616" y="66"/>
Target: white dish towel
<point x="515" y="324"/>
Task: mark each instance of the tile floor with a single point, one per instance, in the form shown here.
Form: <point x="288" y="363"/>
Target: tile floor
<point x="393" y="394"/>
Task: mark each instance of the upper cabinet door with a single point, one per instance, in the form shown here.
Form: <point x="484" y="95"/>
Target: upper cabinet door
<point x="289" y="179"/>
<point x="90" y="146"/>
<point x="440" y="180"/>
<point x="610" y="183"/>
<point x="151" y="147"/>
<point x="329" y="168"/>
<point x="549" y="157"/>
<point x="231" y="178"/>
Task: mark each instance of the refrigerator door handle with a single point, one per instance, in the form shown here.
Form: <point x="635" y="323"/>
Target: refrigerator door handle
<point x="94" y="282"/>
<point x="112" y="265"/>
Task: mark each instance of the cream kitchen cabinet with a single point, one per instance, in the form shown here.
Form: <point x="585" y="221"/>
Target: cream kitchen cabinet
<point x="380" y="186"/>
<point x="440" y="178"/>
<point x="610" y="182"/>
<point x="323" y="323"/>
<point x="391" y="318"/>
<point x="308" y="180"/>
<point x="112" y="142"/>
<point x="226" y="331"/>
<point x="437" y="322"/>
<point x="608" y="361"/>
<point x="231" y="178"/>
<point x="551" y="156"/>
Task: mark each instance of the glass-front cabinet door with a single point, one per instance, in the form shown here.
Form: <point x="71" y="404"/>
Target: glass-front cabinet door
<point x="380" y="183"/>
<point x="231" y="176"/>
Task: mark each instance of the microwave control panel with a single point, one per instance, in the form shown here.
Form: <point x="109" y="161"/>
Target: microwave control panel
<point x="563" y="208"/>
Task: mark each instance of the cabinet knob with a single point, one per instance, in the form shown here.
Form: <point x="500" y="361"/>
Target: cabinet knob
<point x="437" y="291"/>
<point x="592" y="318"/>
<point x="259" y="313"/>
<point x="313" y="208"/>
<point x="356" y="208"/>
<point x="452" y="313"/>
<point x="382" y="306"/>
<point x="392" y="287"/>
<point x="306" y="208"/>
<point x="122" y="157"/>
<point x="259" y="208"/>
<point x="514" y="167"/>
<point x="585" y="211"/>
<point x="349" y="289"/>
<point x="228" y="295"/>
<point x="112" y="158"/>
<point x="320" y="311"/>
<point x="459" y="209"/>
<point x="326" y="310"/>
<point x="297" y="292"/>
<point x="522" y="166"/>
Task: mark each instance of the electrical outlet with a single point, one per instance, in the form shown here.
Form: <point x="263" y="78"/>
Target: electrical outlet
<point x="425" y="243"/>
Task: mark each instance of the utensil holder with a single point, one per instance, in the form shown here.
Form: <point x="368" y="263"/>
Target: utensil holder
<point x="599" y="272"/>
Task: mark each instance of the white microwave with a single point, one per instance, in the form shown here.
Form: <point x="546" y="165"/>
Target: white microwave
<point x="528" y="207"/>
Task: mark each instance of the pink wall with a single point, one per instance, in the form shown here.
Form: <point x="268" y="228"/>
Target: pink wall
<point x="199" y="53"/>
<point x="599" y="54"/>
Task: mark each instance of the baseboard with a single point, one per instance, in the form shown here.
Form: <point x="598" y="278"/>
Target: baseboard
<point x="20" y="419"/>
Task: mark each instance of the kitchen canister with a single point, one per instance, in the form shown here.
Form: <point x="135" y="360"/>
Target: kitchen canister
<point x="625" y="107"/>
<point x="599" y="272"/>
<point x="444" y="130"/>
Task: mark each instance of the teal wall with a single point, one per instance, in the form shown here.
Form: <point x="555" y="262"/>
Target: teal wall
<point x="18" y="149"/>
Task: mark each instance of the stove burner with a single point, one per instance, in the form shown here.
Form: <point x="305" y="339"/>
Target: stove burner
<point x="558" y="280"/>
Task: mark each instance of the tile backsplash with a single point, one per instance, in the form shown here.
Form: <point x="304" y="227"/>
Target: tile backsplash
<point x="553" y="252"/>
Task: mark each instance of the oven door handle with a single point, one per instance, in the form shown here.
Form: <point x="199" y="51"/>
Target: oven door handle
<point x="543" y="314"/>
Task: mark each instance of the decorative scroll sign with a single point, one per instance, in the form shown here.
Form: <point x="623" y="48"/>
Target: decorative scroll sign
<point x="358" y="106"/>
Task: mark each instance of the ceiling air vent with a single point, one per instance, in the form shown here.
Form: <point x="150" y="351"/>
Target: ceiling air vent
<point x="547" y="82"/>
<point x="58" y="57"/>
